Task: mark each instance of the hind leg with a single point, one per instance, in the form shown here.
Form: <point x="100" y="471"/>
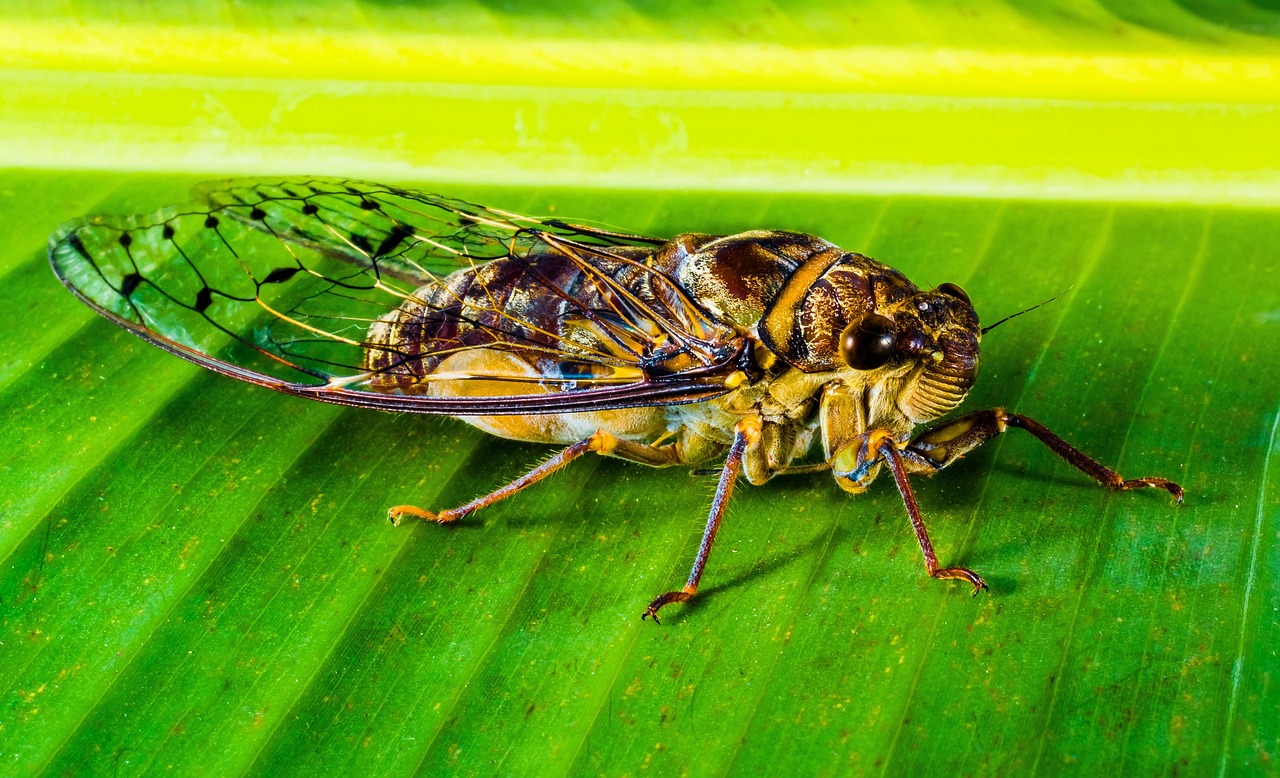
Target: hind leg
<point x="600" y="442"/>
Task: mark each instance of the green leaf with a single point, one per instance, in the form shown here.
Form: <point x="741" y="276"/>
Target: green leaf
<point x="198" y="576"/>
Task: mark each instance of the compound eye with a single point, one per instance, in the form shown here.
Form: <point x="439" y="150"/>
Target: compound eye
<point x="868" y="343"/>
<point x="951" y="290"/>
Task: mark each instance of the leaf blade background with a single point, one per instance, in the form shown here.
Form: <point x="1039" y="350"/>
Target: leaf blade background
<point x="196" y="572"/>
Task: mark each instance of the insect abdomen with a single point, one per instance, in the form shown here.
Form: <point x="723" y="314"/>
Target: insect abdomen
<point x="503" y="329"/>
<point x="531" y="306"/>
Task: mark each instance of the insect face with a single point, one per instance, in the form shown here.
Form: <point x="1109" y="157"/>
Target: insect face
<point x="937" y="336"/>
<point x="906" y="363"/>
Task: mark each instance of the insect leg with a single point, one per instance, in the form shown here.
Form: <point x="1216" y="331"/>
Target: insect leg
<point x="746" y="432"/>
<point x="938" y="447"/>
<point x="601" y="443"/>
<point x="882" y="443"/>
<point x="817" y="467"/>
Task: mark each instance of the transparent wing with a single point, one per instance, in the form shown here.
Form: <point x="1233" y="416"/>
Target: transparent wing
<point x="285" y="283"/>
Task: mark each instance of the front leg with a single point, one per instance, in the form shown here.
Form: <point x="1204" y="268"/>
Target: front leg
<point x="856" y="464"/>
<point x="936" y="448"/>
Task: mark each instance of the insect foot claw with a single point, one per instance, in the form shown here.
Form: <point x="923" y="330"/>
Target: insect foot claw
<point x="398" y="513"/>
<point x="661" y="600"/>
<point x="963" y="574"/>
<point x="1155" y="483"/>
<point x="1166" y="484"/>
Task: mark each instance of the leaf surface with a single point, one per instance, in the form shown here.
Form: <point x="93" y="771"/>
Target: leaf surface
<point x="197" y="574"/>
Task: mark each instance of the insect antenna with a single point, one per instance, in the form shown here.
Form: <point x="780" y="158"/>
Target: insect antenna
<point x="985" y="330"/>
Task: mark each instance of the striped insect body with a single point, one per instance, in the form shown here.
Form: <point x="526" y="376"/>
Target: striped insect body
<point x="743" y="350"/>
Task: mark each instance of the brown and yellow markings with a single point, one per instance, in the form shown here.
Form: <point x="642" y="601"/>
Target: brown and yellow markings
<point x="746" y="350"/>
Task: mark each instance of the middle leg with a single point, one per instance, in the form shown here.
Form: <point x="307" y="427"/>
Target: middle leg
<point x="746" y="433"/>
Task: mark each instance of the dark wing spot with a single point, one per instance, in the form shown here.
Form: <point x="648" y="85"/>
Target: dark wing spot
<point x="395" y="236"/>
<point x="369" y="205"/>
<point x="577" y="371"/>
<point x="309" y="209"/>
<point x="211" y="222"/>
<point x="257" y="214"/>
<point x="280" y="275"/>
<point x="167" y="232"/>
<point x="74" y="241"/>
<point x="203" y="299"/>
<point x="129" y="283"/>
<point x="125" y="239"/>
<point x="362" y="243"/>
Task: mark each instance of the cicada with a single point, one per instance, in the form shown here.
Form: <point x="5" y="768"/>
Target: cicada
<point x="743" y="350"/>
